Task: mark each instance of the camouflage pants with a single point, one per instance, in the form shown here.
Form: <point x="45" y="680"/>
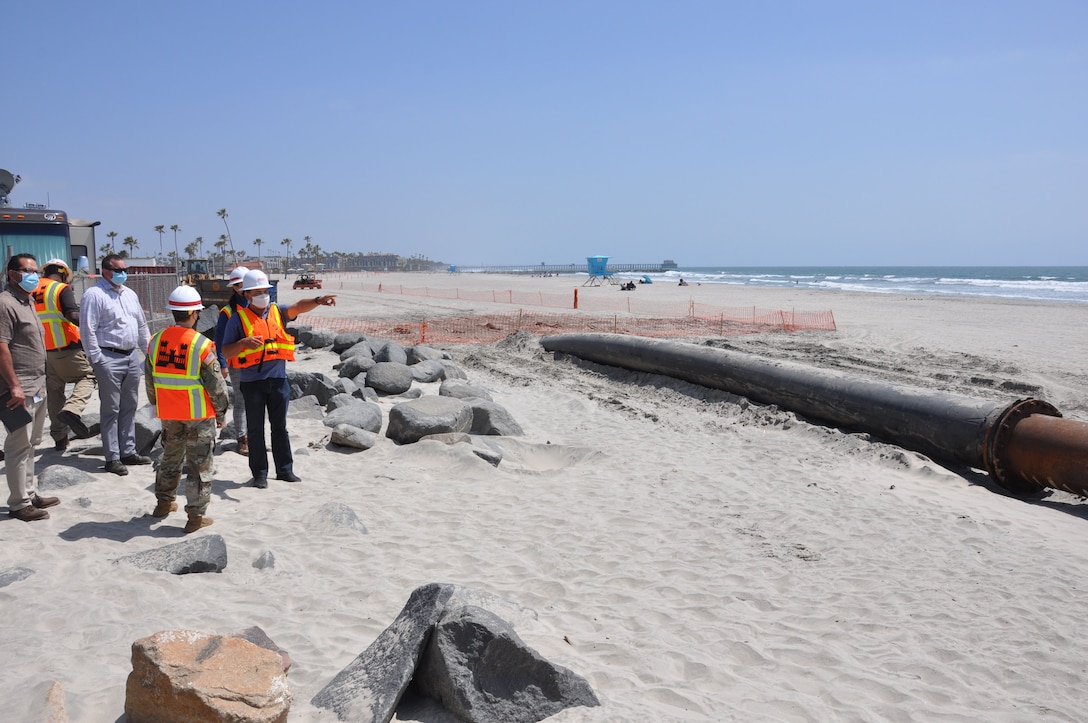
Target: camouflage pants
<point x="192" y="442"/>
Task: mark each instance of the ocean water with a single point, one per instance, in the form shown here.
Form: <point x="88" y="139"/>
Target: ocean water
<point x="1038" y="283"/>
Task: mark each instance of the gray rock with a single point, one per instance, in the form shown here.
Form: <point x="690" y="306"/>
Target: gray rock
<point x="256" y="635"/>
<point x="228" y="431"/>
<point x="391" y="351"/>
<point x="344" y="385"/>
<point x="356" y="365"/>
<point x="333" y="516"/>
<point x="14" y="574"/>
<point x="389" y="377"/>
<point x="203" y="553"/>
<point x="429" y="370"/>
<point x="320" y="338"/>
<point x="363" y="348"/>
<point x="340" y="400"/>
<point x="316" y="383"/>
<point x="346" y="435"/>
<point x="205" y="323"/>
<point x="410" y="421"/>
<point x="480" y="670"/>
<point x="346" y="340"/>
<point x="453" y="371"/>
<point x="492" y="418"/>
<point x="364" y="415"/>
<point x="421" y="353"/>
<point x="266" y="561"/>
<point x="460" y="389"/>
<point x="148" y="429"/>
<point x="60" y="476"/>
<point x="370" y="687"/>
<point x="365" y="393"/>
<point x="306" y="407"/>
<point x="296" y="392"/>
<point x="413" y="393"/>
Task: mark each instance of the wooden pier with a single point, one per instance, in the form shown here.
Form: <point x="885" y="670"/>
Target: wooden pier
<point x="541" y="269"/>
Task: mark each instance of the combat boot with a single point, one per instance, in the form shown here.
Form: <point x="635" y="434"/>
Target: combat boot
<point x="196" y="522"/>
<point x="164" y="508"/>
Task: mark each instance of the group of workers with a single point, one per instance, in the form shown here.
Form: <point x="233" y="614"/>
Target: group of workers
<point x="48" y="340"/>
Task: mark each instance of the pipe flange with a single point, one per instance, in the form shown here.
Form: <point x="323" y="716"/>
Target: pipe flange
<point x="997" y="438"/>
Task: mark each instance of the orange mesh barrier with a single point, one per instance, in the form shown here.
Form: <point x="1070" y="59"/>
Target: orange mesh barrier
<point x="488" y="328"/>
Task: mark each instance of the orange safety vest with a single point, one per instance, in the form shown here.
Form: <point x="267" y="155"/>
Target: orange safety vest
<point x="59" y="332"/>
<point x="278" y="344"/>
<point x="228" y="311"/>
<point x="178" y="353"/>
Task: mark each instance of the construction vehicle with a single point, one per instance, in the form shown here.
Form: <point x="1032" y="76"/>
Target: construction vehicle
<point x="307" y="281"/>
<point x="214" y="290"/>
<point x="46" y="233"/>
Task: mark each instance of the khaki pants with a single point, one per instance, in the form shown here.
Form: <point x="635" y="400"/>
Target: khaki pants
<point x="62" y="367"/>
<point x="19" y="454"/>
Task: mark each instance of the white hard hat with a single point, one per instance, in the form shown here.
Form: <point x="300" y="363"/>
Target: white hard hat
<point x="185" y="298"/>
<point x="237" y="275"/>
<point x="255" y="279"/>
<point x="64" y="270"/>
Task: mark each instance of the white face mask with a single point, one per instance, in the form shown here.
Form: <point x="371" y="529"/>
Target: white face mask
<point x="261" y="301"/>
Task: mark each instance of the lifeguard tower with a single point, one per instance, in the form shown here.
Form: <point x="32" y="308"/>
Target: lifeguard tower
<point x="598" y="271"/>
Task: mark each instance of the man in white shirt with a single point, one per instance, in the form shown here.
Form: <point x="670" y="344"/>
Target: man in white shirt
<point x="114" y="332"/>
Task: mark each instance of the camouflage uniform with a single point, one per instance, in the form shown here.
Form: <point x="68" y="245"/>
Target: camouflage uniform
<point x="193" y="441"/>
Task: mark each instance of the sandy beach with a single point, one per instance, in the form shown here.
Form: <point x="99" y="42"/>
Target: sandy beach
<point x="695" y="557"/>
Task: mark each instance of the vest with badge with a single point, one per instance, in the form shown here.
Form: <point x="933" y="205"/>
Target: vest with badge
<point x="59" y="332"/>
<point x="278" y="344"/>
<point x="178" y="353"/>
<point x="228" y="311"/>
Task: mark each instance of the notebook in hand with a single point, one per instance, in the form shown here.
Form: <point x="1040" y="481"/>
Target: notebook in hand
<point x="13" y="418"/>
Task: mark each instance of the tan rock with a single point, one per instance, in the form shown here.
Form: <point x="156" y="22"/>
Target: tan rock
<point x="185" y="676"/>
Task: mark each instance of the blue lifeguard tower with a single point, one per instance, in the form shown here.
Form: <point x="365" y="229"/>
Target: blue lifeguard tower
<point x="598" y="271"/>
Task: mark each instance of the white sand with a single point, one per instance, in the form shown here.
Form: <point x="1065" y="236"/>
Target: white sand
<point x="693" y="558"/>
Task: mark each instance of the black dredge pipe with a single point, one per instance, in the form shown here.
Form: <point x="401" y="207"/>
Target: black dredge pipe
<point x="1047" y="451"/>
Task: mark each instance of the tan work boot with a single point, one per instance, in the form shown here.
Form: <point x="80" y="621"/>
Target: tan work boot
<point x="243" y="445"/>
<point x="196" y="522"/>
<point x="164" y="507"/>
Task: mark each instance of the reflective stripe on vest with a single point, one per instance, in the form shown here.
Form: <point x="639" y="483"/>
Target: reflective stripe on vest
<point x="59" y="332"/>
<point x="179" y="394"/>
<point x="228" y="311"/>
<point x="278" y="345"/>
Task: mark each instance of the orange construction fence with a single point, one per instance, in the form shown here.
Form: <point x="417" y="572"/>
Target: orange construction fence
<point x="488" y="328"/>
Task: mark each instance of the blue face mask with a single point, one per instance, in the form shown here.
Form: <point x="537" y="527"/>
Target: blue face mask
<point x="119" y="277"/>
<point x="29" y="281"/>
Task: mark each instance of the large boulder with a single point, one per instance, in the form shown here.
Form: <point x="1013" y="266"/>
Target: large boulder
<point x="462" y="390"/>
<point x="345" y="385"/>
<point x="148" y="429"/>
<point x="346" y="340"/>
<point x="453" y="371"/>
<point x="340" y="400"/>
<point x="429" y="370"/>
<point x="356" y="365"/>
<point x="363" y="348"/>
<point x="202" y="553"/>
<point x="306" y="407"/>
<point x="421" y="352"/>
<point x="391" y="351"/>
<point x="389" y="377"/>
<point x="59" y="476"/>
<point x="320" y="338"/>
<point x="480" y="670"/>
<point x="491" y="418"/>
<point x="345" y="435"/>
<point x="409" y="421"/>
<point x="363" y="415"/>
<point x="186" y="675"/>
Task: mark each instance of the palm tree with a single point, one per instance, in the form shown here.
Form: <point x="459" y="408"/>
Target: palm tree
<point x="112" y="235"/>
<point x="221" y="244"/>
<point x="257" y="242"/>
<point x="190" y="250"/>
<point x="287" y="263"/>
<point x="175" y="228"/>
<point x="161" y="229"/>
<point x="200" y="244"/>
<point x="223" y="215"/>
<point x="132" y="244"/>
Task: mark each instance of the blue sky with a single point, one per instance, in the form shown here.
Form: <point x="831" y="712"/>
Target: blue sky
<point x="712" y="133"/>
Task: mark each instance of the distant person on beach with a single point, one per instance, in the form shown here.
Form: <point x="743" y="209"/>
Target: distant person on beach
<point x="229" y="366"/>
<point x="185" y="383"/>
<point x="65" y="361"/>
<point x="112" y="328"/>
<point x="22" y="387"/>
<point x="683" y="283"/>
<point x="255" y="336"/>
